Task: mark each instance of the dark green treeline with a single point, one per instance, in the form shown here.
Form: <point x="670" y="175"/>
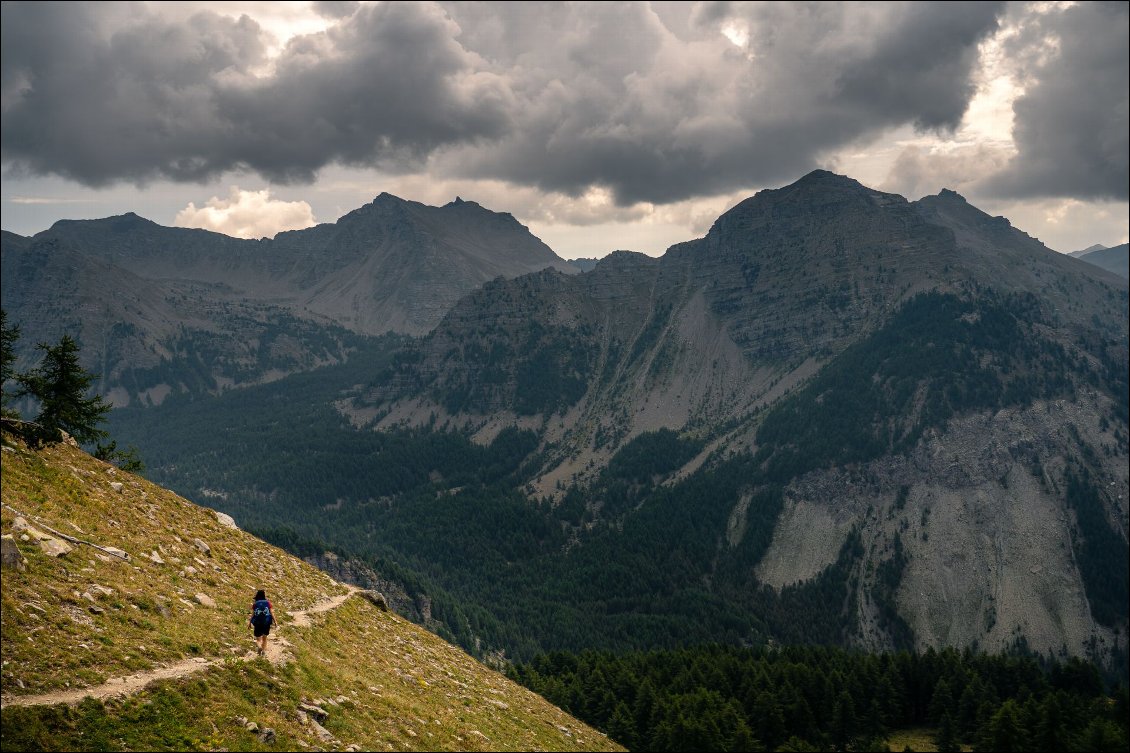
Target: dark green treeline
<point x="818" y="698"/>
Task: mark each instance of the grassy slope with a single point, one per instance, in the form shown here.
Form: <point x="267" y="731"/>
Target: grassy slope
<point x="404" y="688"/>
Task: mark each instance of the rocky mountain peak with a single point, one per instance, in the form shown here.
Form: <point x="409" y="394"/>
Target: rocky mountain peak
<point x="121" y="224"/>
<point x="820" y="196"/>
<point x="625" y="261"/>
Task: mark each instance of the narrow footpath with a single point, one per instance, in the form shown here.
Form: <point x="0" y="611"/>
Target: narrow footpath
<point x="130" y="684"/>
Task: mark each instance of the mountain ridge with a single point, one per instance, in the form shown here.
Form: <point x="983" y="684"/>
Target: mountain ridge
<point x="260" y="308"/>
<point x="792" y="294"/>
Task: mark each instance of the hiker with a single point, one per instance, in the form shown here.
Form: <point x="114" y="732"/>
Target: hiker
<point x="262" y="617"/>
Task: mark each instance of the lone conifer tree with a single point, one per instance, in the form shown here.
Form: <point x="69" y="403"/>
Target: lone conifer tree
<point x="8" y="337"/>
<point x="60" y="385"/>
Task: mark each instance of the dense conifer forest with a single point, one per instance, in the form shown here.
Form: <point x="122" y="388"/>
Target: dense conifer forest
<point x="808" y="698"/>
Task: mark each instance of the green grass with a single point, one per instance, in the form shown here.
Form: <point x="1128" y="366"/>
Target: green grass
<point x="402" y="688"/>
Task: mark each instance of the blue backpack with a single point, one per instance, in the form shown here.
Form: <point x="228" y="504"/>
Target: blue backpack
<point x="261" y="614"/>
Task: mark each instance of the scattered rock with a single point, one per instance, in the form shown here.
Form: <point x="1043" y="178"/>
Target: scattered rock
<point x="102" y="590"/>
<point x="500" y="704"/>
<point x="189" y="570"/>
<point x="95" y="609"/>
<point x="241" y="721"/>
<point x="376" y="598"/>
<point x="116" y="552"/>
<point x="353" y="748"/>
<point x="117" y="486"/>
<point x="19" y="525"/>
<point x="54" y="547"/>
<point x="205" y="600"/>
<point x="226" y="520"/>
<point x="156" y="558"/>
<point x="252" y="727"/>
<point x="11" y="555"/>
<point x="202" y="545"/>
<point x="317" y="712"/>
<point x="267" y="736"/>
<point x="323" y="734"/>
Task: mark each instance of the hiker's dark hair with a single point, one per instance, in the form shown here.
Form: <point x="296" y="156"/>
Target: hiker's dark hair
<point x="259" y="595"/>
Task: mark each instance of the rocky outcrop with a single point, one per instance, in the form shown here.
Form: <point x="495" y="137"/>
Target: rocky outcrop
<point x="375" y="587"/>
<point x="10" y="554"/>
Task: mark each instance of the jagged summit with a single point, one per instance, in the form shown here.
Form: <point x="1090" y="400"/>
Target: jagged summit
<point x="819" y="195"/>
<point x="624" y="260"/>
<point x="122" y="223"/>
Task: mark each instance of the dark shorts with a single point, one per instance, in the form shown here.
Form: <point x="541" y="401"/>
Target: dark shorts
<point x="261" y="631"/>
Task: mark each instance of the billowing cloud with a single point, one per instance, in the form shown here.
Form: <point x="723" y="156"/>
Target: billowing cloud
<point x="588" y="100"/>
<point x="336" y="8"/>
<point x="97" y="95"/>
<point x="247" y="214"/>
<point x="919" y="170"/>
<point x="1071" y="124"/>
<point x="758" y="95"/>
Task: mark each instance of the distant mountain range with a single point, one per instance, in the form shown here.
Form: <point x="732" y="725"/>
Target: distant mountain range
<point x="162" y="309"/>
<point x="838" y="417"/>
<point x="1114" y="259"/>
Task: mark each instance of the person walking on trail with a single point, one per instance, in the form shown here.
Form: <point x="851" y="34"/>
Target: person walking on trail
<point x="262" y="617"/>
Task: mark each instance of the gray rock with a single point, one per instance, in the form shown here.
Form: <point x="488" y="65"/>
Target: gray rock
<point x="267" y="735"/>
<point x="323" y="734"/>
<point x="226" y="520"/>
<point x="117" y="552"/>
<point x="11" y="555"/>
<point x="318" y="713"/>
<point x="95" y="609"/>
<point x="376" y="598"/>
<point x="252" y="727"/>
<point x="117" y="486"/>
<point x="19" y="525"/>
<point x="55" y="547"/>
<point x="241" y="721"/>
<point x="202" y="546"/>
<point x="156" y="558"/>
<point x="205" y="600"/>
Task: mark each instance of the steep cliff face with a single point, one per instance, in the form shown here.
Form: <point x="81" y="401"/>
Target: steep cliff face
<point x="920" y="375"/>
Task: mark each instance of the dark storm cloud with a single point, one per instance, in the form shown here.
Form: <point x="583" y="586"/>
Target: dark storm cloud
<point x="612" y="97"/>
<point x="335" y="8"/>
<point x="148" y="98"/>
<point x="1071" y="128"/>
<point x="561" y="97"/>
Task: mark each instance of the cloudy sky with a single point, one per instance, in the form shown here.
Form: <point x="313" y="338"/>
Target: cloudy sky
<point x="601" y="126"/>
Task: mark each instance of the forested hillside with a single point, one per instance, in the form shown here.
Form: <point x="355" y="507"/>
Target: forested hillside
<point x="720" y="698"/>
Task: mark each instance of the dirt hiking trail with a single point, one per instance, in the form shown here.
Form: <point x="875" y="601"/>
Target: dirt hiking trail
<point x="129" y="684"/>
